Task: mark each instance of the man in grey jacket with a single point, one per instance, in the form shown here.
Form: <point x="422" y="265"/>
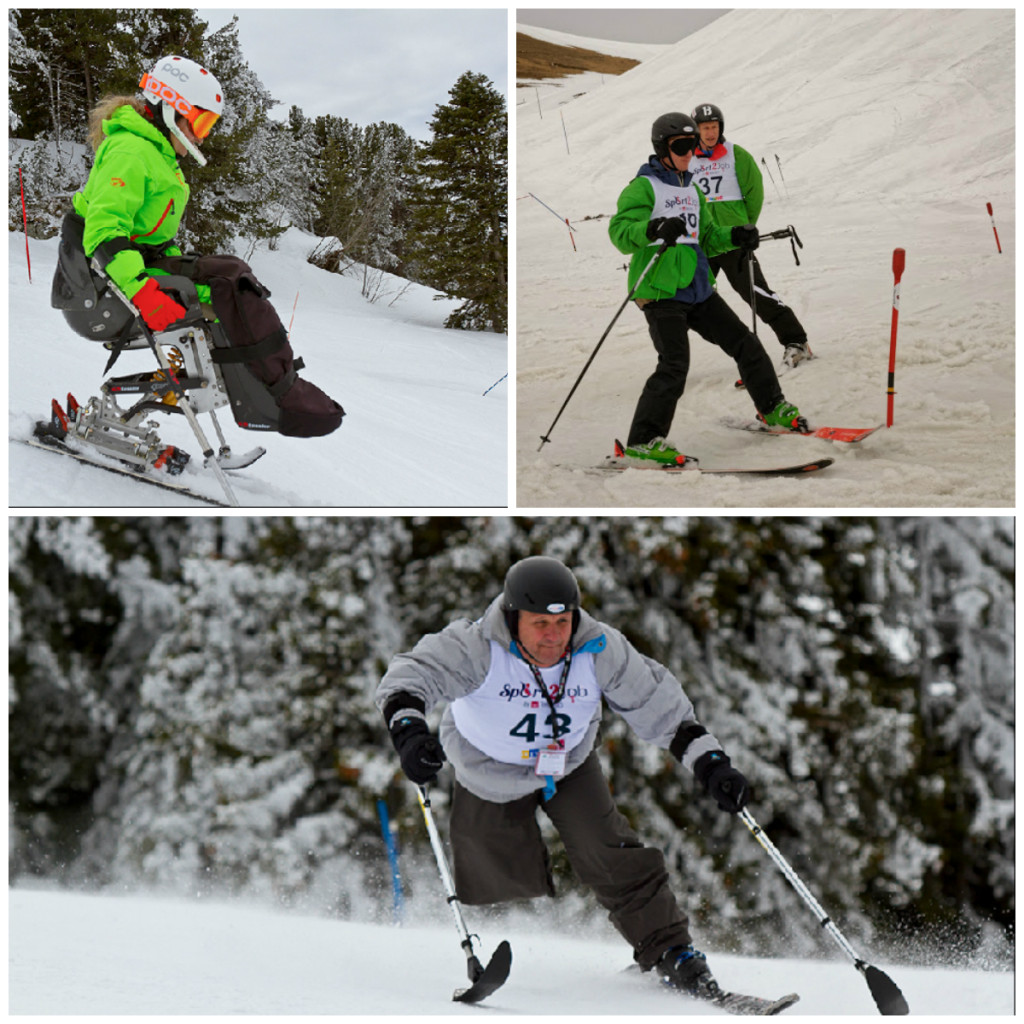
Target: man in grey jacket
<point x="523" y="687"/>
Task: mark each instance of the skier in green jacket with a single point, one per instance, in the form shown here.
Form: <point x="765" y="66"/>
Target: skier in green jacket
<point x="732" y="184"/>
<point x="662" y="206"/>
<point x="136" y="194"/>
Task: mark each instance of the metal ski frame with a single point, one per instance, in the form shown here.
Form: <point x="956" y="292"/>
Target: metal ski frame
<point x="485" y="980"/>
<point x="888" y="998"/>
<point x="183" y="400"/>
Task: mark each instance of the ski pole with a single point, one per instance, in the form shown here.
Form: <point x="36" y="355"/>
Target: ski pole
<point x="990" y="215"/>
<point x="899" y="259"/>
<point x="546" y="438"/>
<point x="753" y="294"/>
<point x="888" y="998"/>
<point x="764" y="164"/>
<point x="485" y="980"/>
<point x="781" y="175"/>
<point x="24" y="217"/>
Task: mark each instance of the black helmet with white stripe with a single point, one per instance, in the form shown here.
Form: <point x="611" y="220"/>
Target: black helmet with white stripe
<point x="539" y="584"/>
<point x="709" y="112"/>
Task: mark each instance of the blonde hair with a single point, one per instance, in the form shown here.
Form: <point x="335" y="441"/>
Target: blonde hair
<point x="105" y="109"/>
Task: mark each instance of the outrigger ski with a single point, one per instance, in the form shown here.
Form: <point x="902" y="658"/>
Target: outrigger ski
<point x="848" y="435"/>
<point x="491" y="978"/>
<point x="619" y="463"/>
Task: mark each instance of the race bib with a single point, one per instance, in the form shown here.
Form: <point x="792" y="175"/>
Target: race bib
<point x="679" y="201"/>
<point x="510" y="719"/>
<point x="716" y="178"/>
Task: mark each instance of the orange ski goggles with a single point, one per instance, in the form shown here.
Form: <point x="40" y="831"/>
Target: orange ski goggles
<point x="200" y="121"/>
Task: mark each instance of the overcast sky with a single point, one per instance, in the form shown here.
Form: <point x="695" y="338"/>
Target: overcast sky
<point x="667" y="25"/>
<point x="369" y="65"/>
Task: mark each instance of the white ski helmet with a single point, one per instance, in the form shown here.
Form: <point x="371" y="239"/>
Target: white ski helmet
<point x="177" y="85"/>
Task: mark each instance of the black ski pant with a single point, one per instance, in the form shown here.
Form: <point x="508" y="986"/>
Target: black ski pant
<point x="668" y="322"/>
<point x="770" y="308"/>
<point x="499" y="854"/>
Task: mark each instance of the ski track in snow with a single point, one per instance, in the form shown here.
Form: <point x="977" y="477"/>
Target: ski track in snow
<point x="858" y="106"/>
<point x="418" y="432"/>
<point x="72" y="953"/>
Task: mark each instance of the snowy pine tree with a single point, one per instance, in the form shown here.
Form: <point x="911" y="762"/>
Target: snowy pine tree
<point x="460" y="242"/>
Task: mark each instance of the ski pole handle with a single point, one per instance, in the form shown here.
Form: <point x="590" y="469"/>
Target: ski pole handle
<point x="994" y="232"/>
<point x="899" y="260"/>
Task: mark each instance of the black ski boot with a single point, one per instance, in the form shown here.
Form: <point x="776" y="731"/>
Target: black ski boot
<point x="685" y="969"/>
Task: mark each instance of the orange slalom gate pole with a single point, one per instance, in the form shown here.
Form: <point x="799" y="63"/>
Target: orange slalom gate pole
<point x="899" y="259"/>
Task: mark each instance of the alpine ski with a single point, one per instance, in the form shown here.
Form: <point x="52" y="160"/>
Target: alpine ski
<point x="47" y="442"/>
<point x="613" y="463"/>
<point x="847" y="435"/>
<point x="753" y="1006"/>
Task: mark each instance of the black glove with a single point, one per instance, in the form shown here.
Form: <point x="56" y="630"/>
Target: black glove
<point x="744" y="236"/>
<point x="668" y="229"/>
<point x="716" y="774"/>
<point x="419" y="750"/>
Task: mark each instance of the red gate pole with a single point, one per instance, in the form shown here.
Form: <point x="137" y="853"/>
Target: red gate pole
<point x="994" y="232"/>
<point x="899" y="259"/>
<point x="24" y="218"/>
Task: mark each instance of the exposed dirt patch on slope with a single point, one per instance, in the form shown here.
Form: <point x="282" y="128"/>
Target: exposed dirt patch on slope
<point x="536" y="59"/>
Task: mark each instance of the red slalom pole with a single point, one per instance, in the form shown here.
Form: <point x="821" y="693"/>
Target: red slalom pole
<point x="899" y="260"/>
<point x="994" y="232"/>
<point x="24" y="218"/>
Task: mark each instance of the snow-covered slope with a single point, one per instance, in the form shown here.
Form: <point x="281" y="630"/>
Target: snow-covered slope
<point x="92" y="954"/>
<point x="892" y="128"/>
<point x="419" y="431"/>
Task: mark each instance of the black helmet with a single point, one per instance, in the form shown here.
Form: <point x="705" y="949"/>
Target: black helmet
<point x="709" y="112"/>
<point x="539" y="584"/>
<point x="668" y="126"/>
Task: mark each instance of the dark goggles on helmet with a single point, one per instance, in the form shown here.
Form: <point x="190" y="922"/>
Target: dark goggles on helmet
<point x="683" y="145"/>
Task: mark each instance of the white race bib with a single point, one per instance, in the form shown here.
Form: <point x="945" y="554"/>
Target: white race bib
<point x="510" y="720"/>
<point x="679" y="201"/>
<point x="717" y="178"/>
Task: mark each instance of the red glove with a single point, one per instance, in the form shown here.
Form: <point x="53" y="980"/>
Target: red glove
<point x="158" y="309"/>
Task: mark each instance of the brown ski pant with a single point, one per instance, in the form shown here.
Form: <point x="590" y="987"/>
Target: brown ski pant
<point x="499" y="854"/>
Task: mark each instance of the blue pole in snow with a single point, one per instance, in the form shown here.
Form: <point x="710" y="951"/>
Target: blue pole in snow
<point x="398" y="910"/>
<point x="496" y="383"/>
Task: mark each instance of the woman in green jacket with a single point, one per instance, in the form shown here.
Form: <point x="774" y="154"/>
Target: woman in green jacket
<point x="121" y="233"/>
<point x="136" y="194"/>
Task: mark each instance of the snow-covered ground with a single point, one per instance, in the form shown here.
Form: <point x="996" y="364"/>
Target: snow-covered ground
<point x="418" y="431"/>
<point x="892" y="128"/>
<point x="102" y="954"/>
